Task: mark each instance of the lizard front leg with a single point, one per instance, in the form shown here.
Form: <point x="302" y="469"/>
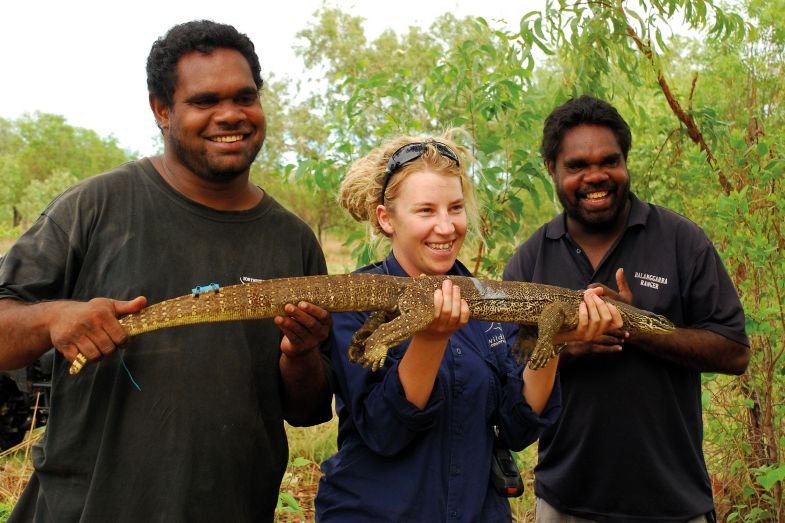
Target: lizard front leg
<point x="549" y="323"/>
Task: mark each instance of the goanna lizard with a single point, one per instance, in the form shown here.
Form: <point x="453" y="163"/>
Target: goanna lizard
<point x="400" y="308"/>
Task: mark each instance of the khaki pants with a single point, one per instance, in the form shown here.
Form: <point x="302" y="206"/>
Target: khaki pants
<point x="547" y="514"/>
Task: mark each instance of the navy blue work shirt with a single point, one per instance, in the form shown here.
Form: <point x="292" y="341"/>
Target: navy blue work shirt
<point x="398" y="463"/>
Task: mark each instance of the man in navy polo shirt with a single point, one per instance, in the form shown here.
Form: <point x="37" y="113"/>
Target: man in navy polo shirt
<point x="628" y="445"/>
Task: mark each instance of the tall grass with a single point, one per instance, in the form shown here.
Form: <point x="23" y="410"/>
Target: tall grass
<point x="15" y="469"/>
<point x="308" y="447"/>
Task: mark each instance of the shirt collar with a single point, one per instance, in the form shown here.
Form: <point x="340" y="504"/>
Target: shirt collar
<point x="393" y="268"/>
<point x="639" y="214"/>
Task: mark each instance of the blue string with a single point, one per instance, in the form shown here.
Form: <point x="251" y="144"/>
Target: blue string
<point x="128" y="371"/>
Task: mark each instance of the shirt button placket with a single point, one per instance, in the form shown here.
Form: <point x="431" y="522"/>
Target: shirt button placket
<point x="456" y="468"/>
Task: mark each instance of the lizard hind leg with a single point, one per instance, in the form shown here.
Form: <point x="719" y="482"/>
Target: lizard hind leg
<point x="356" y="351"/>
<point x="550" y="322"/>
<point x="524" y="343"/>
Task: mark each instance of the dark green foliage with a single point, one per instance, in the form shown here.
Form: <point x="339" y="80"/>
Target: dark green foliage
<point x="40" y="156"/>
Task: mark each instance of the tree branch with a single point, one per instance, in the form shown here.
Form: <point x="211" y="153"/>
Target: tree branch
<point x="689" y="122"/>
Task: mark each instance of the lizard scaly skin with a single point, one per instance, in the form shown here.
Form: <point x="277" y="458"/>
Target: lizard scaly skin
<point x="404" y="305"/>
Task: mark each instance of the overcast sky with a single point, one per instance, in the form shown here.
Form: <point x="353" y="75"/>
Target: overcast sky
<point x="85" y="59"/>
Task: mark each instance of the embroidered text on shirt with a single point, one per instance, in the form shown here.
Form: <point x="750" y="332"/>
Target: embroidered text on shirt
<point x="497" y="338"/>
<point x="649" y="280"/>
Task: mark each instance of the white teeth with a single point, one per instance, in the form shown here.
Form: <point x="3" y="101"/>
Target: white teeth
<point x="440" y="246"/>
<point x="228" y="139"/>
<point x="595" y="195"/>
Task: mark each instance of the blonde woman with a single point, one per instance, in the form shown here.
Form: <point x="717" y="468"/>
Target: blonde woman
<point x="415" y="437"/>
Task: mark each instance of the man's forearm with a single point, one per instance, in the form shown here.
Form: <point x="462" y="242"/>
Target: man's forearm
<point x="305" y="384"/>
<point x="697" y="349"/>
<point x="24" y="335"/>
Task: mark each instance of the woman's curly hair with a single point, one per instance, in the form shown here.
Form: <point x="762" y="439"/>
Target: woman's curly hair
<point x="361" y="189"/>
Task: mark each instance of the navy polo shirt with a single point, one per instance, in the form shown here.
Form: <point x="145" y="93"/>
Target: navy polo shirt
<point x="398" y="463"/>
<point x="628" y="446"/>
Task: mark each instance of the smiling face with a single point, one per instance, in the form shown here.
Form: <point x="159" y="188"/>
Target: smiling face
<point x="591" y="178"/>
<point x="427" y="224"/>
<point x="216" y="124"/>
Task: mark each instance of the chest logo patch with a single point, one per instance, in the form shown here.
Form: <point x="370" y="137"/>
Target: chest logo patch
<point x="496" y="335"/>
<point x="650" y="280"/>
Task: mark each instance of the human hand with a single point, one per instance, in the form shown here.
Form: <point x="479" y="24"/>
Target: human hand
<point x="450" y="312"/>
<point x="304" y="328"/>
<point x="623" y="295"/>
<point x="599" y="327"/>
<point x="87" y="331"/>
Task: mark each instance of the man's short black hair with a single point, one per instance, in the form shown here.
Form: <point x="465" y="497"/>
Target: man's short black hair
<point x="584" y="110"/>
<point x="203" y="36"/>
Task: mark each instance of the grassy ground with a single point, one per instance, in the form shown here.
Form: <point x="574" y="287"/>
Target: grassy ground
<point x="308" y="447"/>
<point x="15" y="469"/>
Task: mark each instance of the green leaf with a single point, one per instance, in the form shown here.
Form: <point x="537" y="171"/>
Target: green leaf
<point x="538" y="28"/>
<point x="700" y="8"/>
<point x="771" y="476"/>
<point x="529" y="15"/>
<point x="516" y="206"/>
<point x="489" y="50"/>
<point x="288" y="503"/>
<point x="660" y="42"/>
<point x="300" y="462"/>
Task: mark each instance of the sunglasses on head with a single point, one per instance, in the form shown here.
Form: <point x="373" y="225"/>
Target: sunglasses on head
<point x="409" y="153"/>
